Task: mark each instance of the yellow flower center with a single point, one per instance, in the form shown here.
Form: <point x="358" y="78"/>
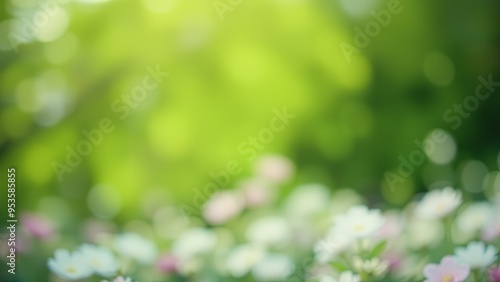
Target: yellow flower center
<point x="358" y="227"/>
<point x="441" y="207"/>
<point x="71" y="270"/>
<point x="447" y="278"/>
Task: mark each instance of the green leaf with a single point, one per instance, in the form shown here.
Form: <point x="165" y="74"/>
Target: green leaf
<point x="378" y="249"/>
<point x="339" y="266"/>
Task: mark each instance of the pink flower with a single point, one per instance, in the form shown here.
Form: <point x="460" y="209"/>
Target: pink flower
<point x="23" y="244"/>
<point x="490" y="233"/>
<point x="95" y="229"/>
<point x="274" y="168"/>
<point x="449" y="270"/>
<point x="491" y="229"/>
<point x="494" y="274"/>
<point x="256" y="193"/>
<point x="37" y="226"/>
<point x="395" y="261"/>
<point x="167" y="263"/>
<point x="391" y="228"/>
<point x="223" y="206"/>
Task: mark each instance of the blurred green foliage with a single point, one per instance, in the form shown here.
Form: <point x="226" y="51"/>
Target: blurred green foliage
<point x="225" y="78"/>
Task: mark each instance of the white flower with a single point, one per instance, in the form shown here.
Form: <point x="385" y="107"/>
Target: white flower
<point x="71" y="266"/>
<point x="374" y="266"/>
<point x="273" y="267"/>
<point x="438" y="203"/>
<point x="474" y="217"/>
<point x="242" y="258"/>
<point x="223" y="206"/>
<point x="269" y="231"/>
<point x="345" y="276"/>
<point x="193" y="242"/>
<point x="135" y="247"/>
<point x="100" y="259"/>
<point x="416" y="238"/>
<point x="477" y="254"/>
<point x="359" y="222"/>
<point x="332" y="245"/>
<point x="307" y="200"/>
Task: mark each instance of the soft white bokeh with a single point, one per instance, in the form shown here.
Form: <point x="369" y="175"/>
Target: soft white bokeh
<point x="269" y="231"/>
<point x="135" y="247"/>
<point x="193" y="242"/>
<point x="242" y="258"/>
<point x="273" y="267"/>
<point x="307" y="200"/>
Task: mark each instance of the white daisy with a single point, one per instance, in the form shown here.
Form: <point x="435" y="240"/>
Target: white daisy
<point x="100" y="259"/>
<point x="477" y="255"/>
<point x="71" y="266"/>
<point x="135" y="247"/>
<point x="359" y="222"/>
<point x="438" y="203"/>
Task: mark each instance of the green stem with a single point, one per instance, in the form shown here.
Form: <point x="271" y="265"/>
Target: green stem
<point x="360" y="247"/>
<point x="346" y="260"/>
<point x="448" y="233"/>
<point x="364" y="276"/>
<point x="476" y="275"/>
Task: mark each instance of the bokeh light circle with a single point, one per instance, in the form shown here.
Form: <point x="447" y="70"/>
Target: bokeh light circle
<point x="438" y="69"/>
<point x="440" y="147"/>
<point x="472" y="176"/>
